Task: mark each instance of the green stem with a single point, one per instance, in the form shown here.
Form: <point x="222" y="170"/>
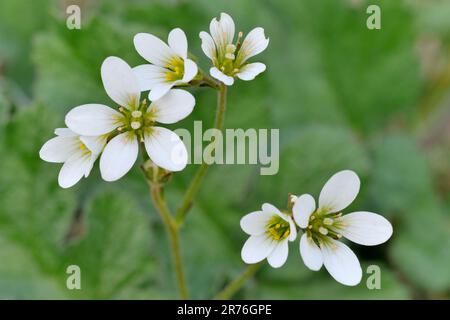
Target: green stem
<point x="172" y="232"/>
<point x="201" y="171"/>
<point x="237" y="283"/>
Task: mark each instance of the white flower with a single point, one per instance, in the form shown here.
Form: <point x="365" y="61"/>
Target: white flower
<point x="169" y="66"/>
<point x="269" y="231"/>
<point x="230" y="59"/>
<point x="325" y="225"/>
<point x="78" y="153"/>
<point x="133" y="123"/>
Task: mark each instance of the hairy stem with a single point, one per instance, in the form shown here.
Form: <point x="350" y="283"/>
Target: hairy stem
<point x="201" y="171"/>
<point x="172" y="232"/>
<point x="237" y="283"/>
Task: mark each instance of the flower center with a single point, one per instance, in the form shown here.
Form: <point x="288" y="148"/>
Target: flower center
<point x="176" y="69"/>
<point x="229" y="65"/>
<point x="323" y="225"/>
<point x="136" y="121"/>
<point x="278" y="228"/>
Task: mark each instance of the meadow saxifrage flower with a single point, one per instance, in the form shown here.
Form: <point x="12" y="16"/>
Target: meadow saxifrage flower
<point x="230" y="59"/>
<point x="325" y="225"/>
<point x="169" y="66"/>
<point x="269" y="231"/>
<point x="133" y="123"/>
<point x="78" y="153"/>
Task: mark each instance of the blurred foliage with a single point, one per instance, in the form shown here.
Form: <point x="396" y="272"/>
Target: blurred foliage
<point x="342" y="96"/>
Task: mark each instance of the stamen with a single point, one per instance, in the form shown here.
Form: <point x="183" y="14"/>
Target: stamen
<point x="135" y="125"/>
<point x="136" y="114"/>
<point x="121" y="109"/>
<point x="323" y="231"/>
<point x="328" y="221"/>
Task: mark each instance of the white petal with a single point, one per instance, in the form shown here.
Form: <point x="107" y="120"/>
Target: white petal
<point x="217" y="74"/>
<point x="279" y="255"/>
<point x="190" y="70"/>
<point x="59" y="149"/>
<point x="255" y="223"/>
<point x="153" y="49"/>
<point x="65" y="132"/>
<point x="304" y="206"/>
<point x="165" y="149"/>
<point x="93" y="119"/>
<point x="178" y="42"/>
<point x="94" y="143"/>
<point x="339" y="191"/>
<point x="366" y="228"/>
<point x="119" y="156"/>
<point x="257" y="248"/>
<point x="149" y="76"/>
<point x="271" y="209"/>
<point x="222" y="30"/>
<point x="310" y="253"/>
<point x="120" y="83"/>
<point x="341" y="263"/>
<point x="174" y="106"/>
<point x="159" y="91"/>
<point x="293" y="228"/>
<point x="250" y="71"/>
<point x="255" y="42"/>
<point x="77" y="166"/>
<point x="208" y="46"/>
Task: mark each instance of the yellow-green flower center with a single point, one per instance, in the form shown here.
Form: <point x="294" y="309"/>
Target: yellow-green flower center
<point x="323" y="225"/>
<point x="278" y="228"/>
<point x="176" y="69"/>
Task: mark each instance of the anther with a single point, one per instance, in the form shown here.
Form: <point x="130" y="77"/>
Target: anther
<point x="136" y="114"/>
<point x="310" y="227"/>
<point x="135" y="125"/>
<point x="323" y="231"/>
<point x="119" y="128"/>
<point x="328" y="221"/>
<point x="121" y="109"/>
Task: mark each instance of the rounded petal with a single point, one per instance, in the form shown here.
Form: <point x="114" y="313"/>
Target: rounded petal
<point x="255" y="223"/>
<point x="257" y="248"/>
<point x="59" y="149"/>
<point x="304" y="206"/>
<point x="178" y="42"/>
<point x="159" y="91"/>
<point x="119" y="156"/>
<point x="215" y="73"/>
<point x="120" y="83"/>
<point x="165" y="149"/>
<point x="254" y="43"/>
<point x="271" y="209"/>
<point x="149" y="76"/>
<point x="366" y="228"/>
<point x="279" y="254"/>
<point x="93" y="119"/>
<point x="341" y="263"/>
<point x="208" y="46"/>
<point x="174" y="106"/>
<point x="222" y="30"/>
<point x="190" y="70"/>
<point x="310" y="253"/>
<point x="250" y="71"/>
<point x="339" y="191"/>
<point x="77" y="166"/>
<point x="153" y="49"/>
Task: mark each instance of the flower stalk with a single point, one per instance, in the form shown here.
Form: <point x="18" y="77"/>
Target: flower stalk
<point x="238" y="282"/>
<point x="156" y="192"/>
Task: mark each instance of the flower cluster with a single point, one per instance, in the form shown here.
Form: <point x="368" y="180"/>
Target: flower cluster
<point x="322" y="226"/>
<point x="115" y="134"/>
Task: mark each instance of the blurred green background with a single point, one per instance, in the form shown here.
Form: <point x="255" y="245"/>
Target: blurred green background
<point x="343" y="96"/>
